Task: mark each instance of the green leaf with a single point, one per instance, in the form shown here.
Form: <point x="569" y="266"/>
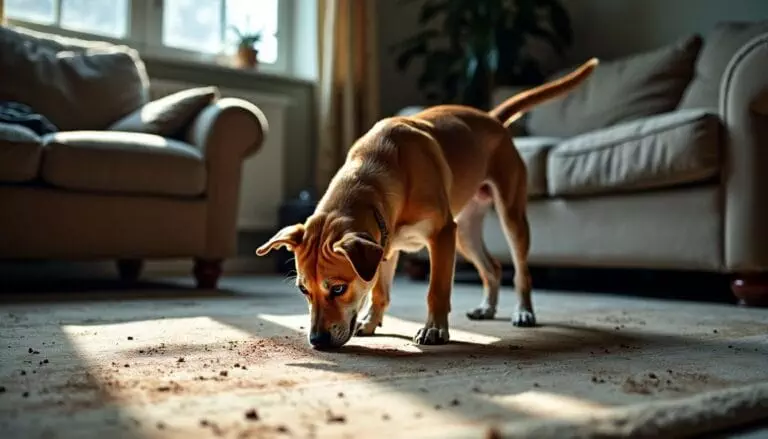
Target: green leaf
<point x="432" y="9"/>
<point x="561" y="22"/>
<point x="404" y="59"/>
<point x="236" y="31"/>
<point x="422" y="37"/>
<point x="550" y="38"/>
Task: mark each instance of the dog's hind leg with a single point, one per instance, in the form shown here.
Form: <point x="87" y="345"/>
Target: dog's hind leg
<point x="470" y="244"/>
<point x="510" y="195"/>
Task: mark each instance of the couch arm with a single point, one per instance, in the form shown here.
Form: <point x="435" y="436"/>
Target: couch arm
<point x="743" y="105"/>
<point x="226" y="132"/>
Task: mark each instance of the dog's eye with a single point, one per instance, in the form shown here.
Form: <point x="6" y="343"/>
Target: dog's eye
<point x="303" y="290"/>
<point x="338" y="290"/>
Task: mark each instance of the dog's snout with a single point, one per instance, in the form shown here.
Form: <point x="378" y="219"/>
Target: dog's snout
<point x="321" y="339"/>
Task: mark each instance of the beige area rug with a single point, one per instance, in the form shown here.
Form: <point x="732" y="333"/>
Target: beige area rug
<point x="167" y="361"/>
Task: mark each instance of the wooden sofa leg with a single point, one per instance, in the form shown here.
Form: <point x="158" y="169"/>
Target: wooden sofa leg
<point x="129" y="270"/>
<point x="207" y="272"/>
<point x="751" y="289"/>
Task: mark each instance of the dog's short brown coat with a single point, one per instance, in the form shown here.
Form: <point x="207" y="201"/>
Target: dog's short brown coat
<point x="412" y="182"/>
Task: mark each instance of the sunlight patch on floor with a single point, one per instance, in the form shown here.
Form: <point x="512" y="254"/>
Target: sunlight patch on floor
<point x="94" y="342"/>
<point x="99" y="345"/>
<point x="550" y="405"/>
<point x="393" y="328"/>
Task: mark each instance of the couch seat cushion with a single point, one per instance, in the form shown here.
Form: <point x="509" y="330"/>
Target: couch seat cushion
<point x="20" y="152"/>
<point x="659" y="151"/>
<point x="534" y="151"/>
<point x="123" y="162"/>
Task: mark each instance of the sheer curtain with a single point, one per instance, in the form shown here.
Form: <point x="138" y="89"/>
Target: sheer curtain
<point x="348" y="80"/>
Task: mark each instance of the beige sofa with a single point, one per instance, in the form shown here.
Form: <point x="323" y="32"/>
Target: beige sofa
<point x="658" y="162"/>
<point x="121" y="177"/>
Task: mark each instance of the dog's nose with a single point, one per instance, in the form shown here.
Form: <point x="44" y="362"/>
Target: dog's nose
<point x="320" y="339"/>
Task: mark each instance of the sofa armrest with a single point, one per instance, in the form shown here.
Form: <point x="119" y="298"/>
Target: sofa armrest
<point x="226" y="132"/>
<point x="743" y="94"/>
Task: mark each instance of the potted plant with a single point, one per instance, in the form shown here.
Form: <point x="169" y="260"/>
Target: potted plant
<point x="469" y="47"/>
<point x="247" y="56"/>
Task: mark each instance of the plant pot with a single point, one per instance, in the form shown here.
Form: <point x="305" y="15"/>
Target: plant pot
<point x="247" y="58"/>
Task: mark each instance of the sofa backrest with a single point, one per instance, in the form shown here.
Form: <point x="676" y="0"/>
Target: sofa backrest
<point x="720" y="45"/>
<point x="620" y="90"/>
<point x="76" y="84"/>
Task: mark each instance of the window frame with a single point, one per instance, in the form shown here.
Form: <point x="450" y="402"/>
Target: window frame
<point x="145" y="33"/>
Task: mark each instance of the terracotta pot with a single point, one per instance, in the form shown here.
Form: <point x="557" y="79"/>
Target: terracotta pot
<point x="247" y="58"/>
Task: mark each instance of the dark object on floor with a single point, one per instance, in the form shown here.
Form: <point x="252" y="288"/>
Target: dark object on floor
<point x="16" y="113"/>
<point x="291" y="212"/>
<point x="252" y="415"/>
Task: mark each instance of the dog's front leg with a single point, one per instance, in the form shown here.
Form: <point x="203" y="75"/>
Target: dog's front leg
<point x="379" y="298"/>
<point x="442" y="257"/>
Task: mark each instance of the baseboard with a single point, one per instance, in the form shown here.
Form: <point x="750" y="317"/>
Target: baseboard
<point x="106" y="269"/>
<point x="239" y="265"/>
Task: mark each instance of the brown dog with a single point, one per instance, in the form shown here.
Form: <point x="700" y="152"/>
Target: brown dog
<point x="409" y="183"/>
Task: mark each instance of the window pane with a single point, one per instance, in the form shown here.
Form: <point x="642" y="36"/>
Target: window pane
<point x="96" y="16"/>
<point x="193" y="25"/>
<point x="267" y="49"/>
<point x="253" y="16"/>
<point x="38" y="11"/>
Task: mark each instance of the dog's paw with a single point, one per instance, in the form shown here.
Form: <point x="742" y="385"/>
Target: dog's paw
<point x="431" y="336"/>
<point x="524" y="318"/>
<point x="481" y="313"/>
<point x="366" y="328"/>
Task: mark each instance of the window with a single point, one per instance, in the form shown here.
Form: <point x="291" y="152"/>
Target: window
<point x="108" y="18"/>
<point x="174" y="28"/>
<point x="208" y="25"/>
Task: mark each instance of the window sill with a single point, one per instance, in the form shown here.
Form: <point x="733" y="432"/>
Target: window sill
<point x="220" y="69"/>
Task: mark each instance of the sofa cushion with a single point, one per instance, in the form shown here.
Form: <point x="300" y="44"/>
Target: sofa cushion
<point x="534" y="152"/>
<point x="77" y="85"/>
<point x="106" y="161"/>
<point x="659" y="151"/>
<point x="167" y="116"/>
<point x="20" y="151"/>
<point x="619" y="91"/>
<point x="720" y="46"/>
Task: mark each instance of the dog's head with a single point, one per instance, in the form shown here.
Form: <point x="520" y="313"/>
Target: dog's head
<point x="335" y="269"/>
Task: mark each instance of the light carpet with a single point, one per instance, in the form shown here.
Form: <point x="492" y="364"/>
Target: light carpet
<point x="168" y="361"/>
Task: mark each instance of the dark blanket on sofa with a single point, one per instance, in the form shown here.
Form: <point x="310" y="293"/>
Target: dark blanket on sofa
<point x="19" y="114"/>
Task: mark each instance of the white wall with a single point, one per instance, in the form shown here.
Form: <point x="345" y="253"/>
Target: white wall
<point x="603" y="28"/>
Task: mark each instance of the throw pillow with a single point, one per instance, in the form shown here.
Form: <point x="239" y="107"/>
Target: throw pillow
<point x="77" y="85"/>
<point x="168" y="115"/>
<point x="721" y="45"/>
<point x="621" y="90"/>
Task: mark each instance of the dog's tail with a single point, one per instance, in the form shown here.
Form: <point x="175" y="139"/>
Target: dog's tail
<point x="511" y="109"/>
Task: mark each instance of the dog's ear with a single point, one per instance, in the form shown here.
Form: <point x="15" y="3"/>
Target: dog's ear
<point x="364" y="254"/>
<point x="289" y="237"/>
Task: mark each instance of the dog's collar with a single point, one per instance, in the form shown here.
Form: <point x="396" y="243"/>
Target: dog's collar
<point x="382" y="227"/>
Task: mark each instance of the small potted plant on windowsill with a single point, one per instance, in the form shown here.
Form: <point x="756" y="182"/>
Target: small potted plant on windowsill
<point x="247" y="56"/>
